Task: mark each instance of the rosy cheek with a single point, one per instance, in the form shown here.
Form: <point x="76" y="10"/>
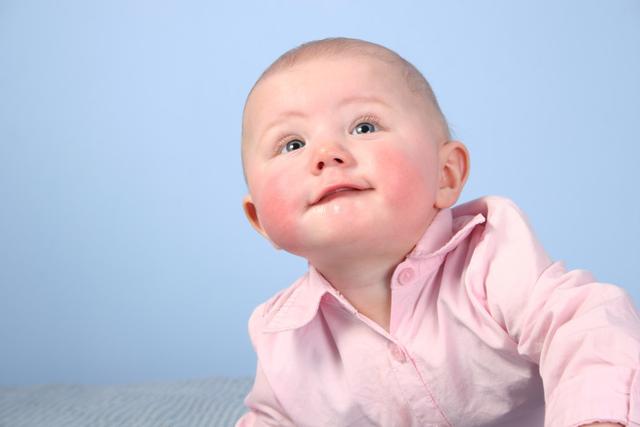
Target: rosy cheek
<point x="276" y="206"/>
<point x="404" y="176"/>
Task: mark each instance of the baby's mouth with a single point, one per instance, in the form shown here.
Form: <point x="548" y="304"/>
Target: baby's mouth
<point x="335" y="191"/>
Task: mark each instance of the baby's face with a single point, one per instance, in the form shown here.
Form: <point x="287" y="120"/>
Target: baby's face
<point x="340" y="157"/>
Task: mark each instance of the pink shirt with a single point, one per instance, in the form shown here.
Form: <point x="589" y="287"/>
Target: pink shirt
<point x="484" y="330"/>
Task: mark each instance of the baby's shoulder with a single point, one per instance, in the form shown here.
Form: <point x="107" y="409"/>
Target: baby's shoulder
<point x="505" y="238"/>
<point x="505" y="248"/>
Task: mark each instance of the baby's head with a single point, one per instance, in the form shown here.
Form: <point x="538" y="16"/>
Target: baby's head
<point x="346" y="152"/>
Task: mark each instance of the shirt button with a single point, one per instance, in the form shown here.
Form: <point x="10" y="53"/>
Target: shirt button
<point x="397" y="353"/>
<point x="406" y="276"/>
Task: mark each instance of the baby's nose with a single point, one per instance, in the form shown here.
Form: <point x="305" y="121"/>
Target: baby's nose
<point x="331" y="155"/>
<point x="335" y="160"/>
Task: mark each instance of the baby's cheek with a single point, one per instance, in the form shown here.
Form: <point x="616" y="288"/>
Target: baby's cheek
<point x="405" y="177"/>
<point x="276" y="214"/>
<point x="409" y="189"/>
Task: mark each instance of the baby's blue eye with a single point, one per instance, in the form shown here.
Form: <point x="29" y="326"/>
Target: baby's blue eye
<point x="364" y="127"/>
<point x="294" y="144"/>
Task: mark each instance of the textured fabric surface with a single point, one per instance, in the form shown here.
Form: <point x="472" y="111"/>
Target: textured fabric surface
<point x="206" y="402"/>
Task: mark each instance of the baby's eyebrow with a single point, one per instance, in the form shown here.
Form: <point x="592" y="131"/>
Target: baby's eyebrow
<point x="282" y="116"/>
<point x="356" y="99"/>
<point x="363" y="99"/>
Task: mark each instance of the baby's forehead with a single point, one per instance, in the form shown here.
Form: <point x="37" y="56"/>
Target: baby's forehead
<point x="326" y="80"/>
<point x="344" y="74"/>
<point x="321" y="53"/>
<point x="345" y="59"/>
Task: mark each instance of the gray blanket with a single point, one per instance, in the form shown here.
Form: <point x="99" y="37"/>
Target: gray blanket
<point x="207" y="402"/>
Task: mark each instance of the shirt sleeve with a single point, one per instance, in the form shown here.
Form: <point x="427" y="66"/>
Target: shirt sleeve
<point x="584" y="335"/>
<point x="264" y="408"/>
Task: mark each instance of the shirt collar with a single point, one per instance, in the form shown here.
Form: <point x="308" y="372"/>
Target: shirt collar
<point x="445" y="233"/>
<point x="302" y="302"/>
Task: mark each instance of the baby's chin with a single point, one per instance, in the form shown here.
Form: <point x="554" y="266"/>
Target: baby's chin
<point x="352" y="233"/>
<point x="356" y="242"/>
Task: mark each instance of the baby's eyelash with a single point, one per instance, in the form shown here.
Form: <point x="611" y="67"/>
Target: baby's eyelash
<point x="368" y="118"/>
<point x="282" y="141"/>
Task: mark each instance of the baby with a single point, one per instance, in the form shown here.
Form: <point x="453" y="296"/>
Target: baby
<point x="412" y="313"/>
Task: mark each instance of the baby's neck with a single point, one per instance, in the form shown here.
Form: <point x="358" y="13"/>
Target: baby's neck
<point x="365" y="283"/>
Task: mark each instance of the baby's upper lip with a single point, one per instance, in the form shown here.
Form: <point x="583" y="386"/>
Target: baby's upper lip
<point x="335" y="188"/>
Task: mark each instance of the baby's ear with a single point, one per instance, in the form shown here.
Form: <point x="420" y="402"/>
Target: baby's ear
<point x="454" y="170"/>
<point x="252" y="215"/>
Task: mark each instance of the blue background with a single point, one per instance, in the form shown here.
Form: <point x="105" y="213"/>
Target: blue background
<point x="124" y="253"/>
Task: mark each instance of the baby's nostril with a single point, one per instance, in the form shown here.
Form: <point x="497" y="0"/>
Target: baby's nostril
<point x="338" y="160"/>
<point x="320" y="165"/>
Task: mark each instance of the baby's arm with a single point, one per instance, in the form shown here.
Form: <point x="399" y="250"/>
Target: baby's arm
<point x="584" y="335"/>
<point x="265" y="409"/>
